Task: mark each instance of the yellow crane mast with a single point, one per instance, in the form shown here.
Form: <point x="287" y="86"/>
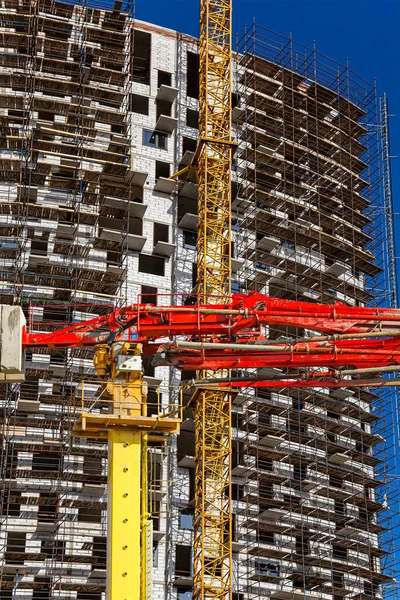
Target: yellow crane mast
<point x="213" y="518"/>
<point x="126" y="425"/>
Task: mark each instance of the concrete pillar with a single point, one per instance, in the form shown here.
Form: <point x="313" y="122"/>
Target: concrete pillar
<point x="12" y="321"/>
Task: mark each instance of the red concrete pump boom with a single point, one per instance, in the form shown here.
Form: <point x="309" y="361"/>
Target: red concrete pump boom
<point x="358" y="337"/>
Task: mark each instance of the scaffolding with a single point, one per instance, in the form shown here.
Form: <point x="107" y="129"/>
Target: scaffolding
<point x="71" y="207"/>
<point x="309" y="467"/>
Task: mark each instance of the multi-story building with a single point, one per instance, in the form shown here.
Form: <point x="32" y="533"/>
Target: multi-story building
<point x="97" y="111"/>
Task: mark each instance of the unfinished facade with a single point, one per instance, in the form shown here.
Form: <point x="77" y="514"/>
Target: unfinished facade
<point x="97" y="112"/>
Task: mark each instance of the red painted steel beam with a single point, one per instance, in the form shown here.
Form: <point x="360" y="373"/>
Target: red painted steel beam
<point x="241" y="319"/>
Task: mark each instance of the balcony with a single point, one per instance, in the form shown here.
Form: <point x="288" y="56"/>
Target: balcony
<point x="295" y="594"/>
<point x="166" y="124"/>
<point x="187" y="159"/>
<point x="137" y="209"/>
<point x="165" y="185"/>
<point x="38" y="259"/>
<point x="188" y="221"/>
<point x="29" y="406"/>
<point x="167" y="93"/>
<point x="190" y="190"/>
<point x="97" y="573"/>
<point x="91" y="489"/>
<point x="164" y="249"/>
<point x="65" y="230"/>
<point x="237" y="264"/>
<point x="139" y="178"/>
<point x="237" y="114"/>
<point x="135" y="242"/>
<point x="153" y="382"/>
<point x="267" y="244"/>
<point x="337" y="269"/>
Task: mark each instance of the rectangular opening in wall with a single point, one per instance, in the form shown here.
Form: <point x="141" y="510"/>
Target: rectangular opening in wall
<point x="185" y="444"/>
<point x="148" y="368"/>
<point x="100" y="551"/>
<point x="89" y="515"/>
<point x="164" y="78"/>
<point x="139" y="104"/>
<point x="141" y="59"/>
<point x="189" y="239"/>
<point x="155" y="516"/>
<point x="163" y="108"/>
<point x="13" y="508"/>
<point x="302" y="545"/>
<point x="47" y="508"/>
<point x="184" y="594"/>
<point x="92" y="465"/>
<point x="55" y="313"/>
<point x="192" y="75"/>
<point x="192" y="118"/>
<point x="266" y="537"/>
<point x="183" y="561"/>
<point x="135" y="226"/>
<point x="115" y="128"/>
<point x="160" y="233"/>
<point x="16" y="541"/>
<point x="194" y="275"/>
<point x="153" y="403"/>
<point x="267" y="568"/>
<point x="186" y="205"/>
<point x="191" y="484"/>
<point x="339" y="552"/>
<point x="113" y="258"/>
<point x="42" y="591"/>
<point x="45" y="116"/>
<point x="154" y="265"/>
<point x="155" y="139"/>
<point x="337" y="579"/>
<point x="340" y="507"/>
<point x="188" y="145"/>
<point x="237" y="491"/>
<point x="148" y="295"/>
<point x="136" y="194"/>
<point x="162" y="169"/>
<point x="186" y="518"/>
<point x="38" y="247"/>
<point x="42" y="461"/>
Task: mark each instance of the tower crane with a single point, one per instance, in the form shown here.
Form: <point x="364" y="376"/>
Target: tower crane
<point x="212" y="547"/>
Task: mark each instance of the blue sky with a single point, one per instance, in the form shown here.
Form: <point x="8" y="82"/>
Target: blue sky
<point x="365" y="31"/>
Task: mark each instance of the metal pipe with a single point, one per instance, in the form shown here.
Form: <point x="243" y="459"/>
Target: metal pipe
<point x="389" y="369"/>
<point x="212" y="346"/>
<point x="316" y="375"/>
<point x="349" y="336"/>
<point x="281" y="348"/>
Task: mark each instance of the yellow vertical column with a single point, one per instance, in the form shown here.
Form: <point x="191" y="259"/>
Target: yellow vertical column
<point x="212" y="409"/>
<point x="123" y="560"/>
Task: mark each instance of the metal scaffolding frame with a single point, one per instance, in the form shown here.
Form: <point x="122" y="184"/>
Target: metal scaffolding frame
<point x="308" y="466"/>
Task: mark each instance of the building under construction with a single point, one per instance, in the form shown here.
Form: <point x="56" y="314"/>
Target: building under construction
<point x="97" y="111"/>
